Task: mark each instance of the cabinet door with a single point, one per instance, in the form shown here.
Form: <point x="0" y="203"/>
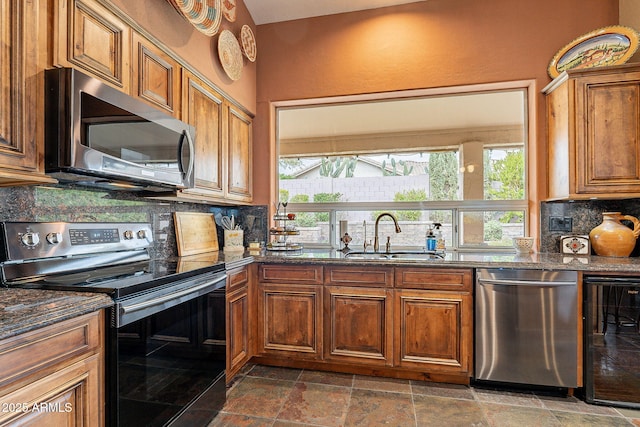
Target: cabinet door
<point x="237" y="331"/>
<point x="433" y="330"/>
<point x="69" y="397"/>
<point x="202" y="108"/>
<point x="240" y="138"/>
<point x="156" y="76"/>
<point x="608" y="133"/>
<point x="92" y="39"/>
<point x="290" y="320"/>
<point x="358" y="325"/>
<point x="21" y="89"/>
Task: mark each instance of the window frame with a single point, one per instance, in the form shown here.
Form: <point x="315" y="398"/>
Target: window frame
<point x="456" y="206"/>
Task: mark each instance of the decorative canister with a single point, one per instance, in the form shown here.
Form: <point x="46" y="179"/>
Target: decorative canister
<point x="612" y="238"/>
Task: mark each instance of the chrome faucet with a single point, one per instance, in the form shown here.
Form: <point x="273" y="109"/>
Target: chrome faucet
<point x="376" y="243"/>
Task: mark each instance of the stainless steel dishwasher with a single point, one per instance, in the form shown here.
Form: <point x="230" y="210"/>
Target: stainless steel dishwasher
<point x="526" y="327"/>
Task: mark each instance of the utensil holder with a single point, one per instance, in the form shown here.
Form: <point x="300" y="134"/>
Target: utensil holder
<point x="233" y="240"/>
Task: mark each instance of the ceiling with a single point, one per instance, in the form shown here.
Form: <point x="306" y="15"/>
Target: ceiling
<point x="269" y="11"/>
<point x="430" y="113"/>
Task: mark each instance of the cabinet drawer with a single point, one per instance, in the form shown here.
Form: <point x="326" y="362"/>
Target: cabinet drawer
<point x="236" y="278"/>
<point x="456" y="279"/>
<point x="44" y="348"/>
<point x="359" y="276"/>
<point x="274" y="273"/>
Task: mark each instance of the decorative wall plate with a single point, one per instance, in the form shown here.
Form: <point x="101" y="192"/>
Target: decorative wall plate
<point x="612" y="45"/>
<point x="229" y="10"/>
<point x="230" y="54"/>
<point x="204" y="15"/>
<point x="248" y="42"/>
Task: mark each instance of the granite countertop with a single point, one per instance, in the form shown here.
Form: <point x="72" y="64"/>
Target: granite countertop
<point x="546" y="261"/>
<point x="23" y="310"/>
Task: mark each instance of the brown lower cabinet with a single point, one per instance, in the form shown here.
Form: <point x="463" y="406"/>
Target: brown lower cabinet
<point x="238" y="320"/>
<point x="408" y="322"/>
<point x="54" y="376"/>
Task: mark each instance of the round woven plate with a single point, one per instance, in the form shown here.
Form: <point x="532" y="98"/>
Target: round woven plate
<point x="248" y="41"/>
<point x="229" y="10"/>
<point x="230" y="54"/>
<point x="204" y="15"/>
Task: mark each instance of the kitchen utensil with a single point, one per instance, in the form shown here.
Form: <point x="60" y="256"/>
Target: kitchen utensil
<point x="195" y="233"/>
<point x="226" y="223"/>
<point x="250" y="221"/>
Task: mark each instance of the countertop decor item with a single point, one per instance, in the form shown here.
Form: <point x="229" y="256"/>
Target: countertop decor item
<point x="612" y="238"/>
<point x="612" y="45"/>
<point x="575" y="244"/>
<point x="523" y="245"/>
<point x="248" y="41"/>
<point x="204" y="15"/>
<point x="230" y="54"/>
<point x="229" y="10"/>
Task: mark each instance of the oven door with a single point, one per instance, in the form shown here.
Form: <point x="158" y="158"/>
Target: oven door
<point x="167" y="363"/>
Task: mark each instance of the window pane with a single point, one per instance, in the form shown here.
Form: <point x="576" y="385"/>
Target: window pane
<point x="313" y="227"/>
<point x="504" y="174"/>
<point x="314" y="230"/>
<point x="490" y="228"/>
<point x="370" y="178"/>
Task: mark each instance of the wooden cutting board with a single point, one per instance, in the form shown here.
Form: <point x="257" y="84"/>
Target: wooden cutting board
<point x="195" y="233"/>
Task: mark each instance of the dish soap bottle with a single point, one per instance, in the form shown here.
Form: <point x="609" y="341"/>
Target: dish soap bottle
<point x="430" y="240"/>
<point x="439" y="238"/>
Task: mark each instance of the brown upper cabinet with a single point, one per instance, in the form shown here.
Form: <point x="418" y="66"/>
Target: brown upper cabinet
<point x="594" y="133"/>
<point x="22" y="54"/>
<point x="103" y="42"/>
<point x="91" y="38"/>
<point x="239" y="161"/>
<point x="156" y="76"/>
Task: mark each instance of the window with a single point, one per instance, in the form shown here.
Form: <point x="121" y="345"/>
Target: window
<point x="457" y="160"/>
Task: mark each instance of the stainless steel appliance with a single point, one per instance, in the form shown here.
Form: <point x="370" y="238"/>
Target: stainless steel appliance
<point x="166" y="333"/>
<point x="612" y="340"/>
<point x="526" y="327"/>
<point x="98" y="136"/>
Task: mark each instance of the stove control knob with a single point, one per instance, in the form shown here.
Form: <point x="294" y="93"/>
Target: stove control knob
<point x="54" y="238"/>
<point x="142" y="234"/>
<point x="30" y="239"/>
<point x="128" y="235"/>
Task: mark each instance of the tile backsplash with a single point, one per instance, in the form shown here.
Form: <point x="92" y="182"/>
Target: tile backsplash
<point x="73" y="204"/>
<point x="585" y="214"/>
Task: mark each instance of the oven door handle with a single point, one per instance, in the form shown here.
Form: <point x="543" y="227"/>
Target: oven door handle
<point x="126" y="309"/>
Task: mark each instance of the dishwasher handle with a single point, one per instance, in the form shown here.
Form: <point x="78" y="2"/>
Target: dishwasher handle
<point x="517" y="282"/>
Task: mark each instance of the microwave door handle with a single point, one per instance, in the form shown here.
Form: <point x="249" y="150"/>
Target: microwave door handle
<point x="191" y="152"/>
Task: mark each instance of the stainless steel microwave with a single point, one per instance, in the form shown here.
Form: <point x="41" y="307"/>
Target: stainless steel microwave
<point x="98" y="136"/>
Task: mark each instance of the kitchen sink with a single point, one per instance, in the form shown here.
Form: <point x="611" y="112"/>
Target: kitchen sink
<point x="382" y="256"/>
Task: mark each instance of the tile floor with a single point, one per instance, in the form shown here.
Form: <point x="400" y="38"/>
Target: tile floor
<point x="282" y="397"/>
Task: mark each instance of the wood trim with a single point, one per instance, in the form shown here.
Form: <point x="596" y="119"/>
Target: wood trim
<point x="359" y="276"/>
<point x="454" y="279"/>
<point x="237" y="278"/>
<point x="411" y="374"/>
<point x="286" y="273"/>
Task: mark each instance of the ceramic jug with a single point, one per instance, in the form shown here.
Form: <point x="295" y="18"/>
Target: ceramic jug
<point x="612" y="238"/>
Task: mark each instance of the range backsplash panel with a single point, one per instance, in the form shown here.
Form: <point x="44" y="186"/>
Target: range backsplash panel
<point x="74" y="204"/>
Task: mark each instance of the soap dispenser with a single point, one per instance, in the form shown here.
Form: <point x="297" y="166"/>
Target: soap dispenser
<point x="440" y="246"/>
<point x="430" y="239"/>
